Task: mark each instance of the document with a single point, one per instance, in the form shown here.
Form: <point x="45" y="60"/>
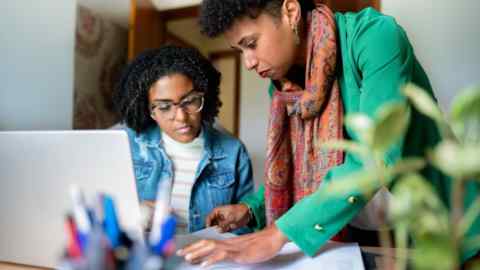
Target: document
<point x="333" y="256"/>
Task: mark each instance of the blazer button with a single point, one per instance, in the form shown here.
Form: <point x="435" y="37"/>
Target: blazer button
<point x="352" y="199"/>
<point x="318" y="228"/>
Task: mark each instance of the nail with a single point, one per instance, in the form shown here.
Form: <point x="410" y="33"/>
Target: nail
<point x="204" y="264"/>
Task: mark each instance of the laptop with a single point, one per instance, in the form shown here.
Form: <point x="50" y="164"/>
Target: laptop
<point x="37" y="171"/>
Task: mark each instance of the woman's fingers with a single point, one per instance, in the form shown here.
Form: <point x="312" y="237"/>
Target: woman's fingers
<point x="213" y="218"/>
<point x="197" y="252"/>
<point x="218" y="256"/>
<point x="223" y="227"/>
<point x="251" y="248"/>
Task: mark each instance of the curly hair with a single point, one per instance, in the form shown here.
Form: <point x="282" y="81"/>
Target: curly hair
<point x="131" y="92"/>
<point x="217" y="16"/>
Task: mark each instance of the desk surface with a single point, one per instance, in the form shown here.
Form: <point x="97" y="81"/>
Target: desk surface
<point x="14" y="266"/>
<point x="373" y="258"/>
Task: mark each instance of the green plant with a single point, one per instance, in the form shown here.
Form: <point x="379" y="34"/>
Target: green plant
<point x="437" y="228"/>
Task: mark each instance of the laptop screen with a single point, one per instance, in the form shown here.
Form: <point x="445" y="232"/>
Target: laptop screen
<point x="37" y="171"/>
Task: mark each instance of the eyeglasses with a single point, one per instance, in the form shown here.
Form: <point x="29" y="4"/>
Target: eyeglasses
<point x="167" y="109"/>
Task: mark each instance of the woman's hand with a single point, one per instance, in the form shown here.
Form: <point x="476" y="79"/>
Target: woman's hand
<point x="229" y="217"/>
<point x="251" y="248"/>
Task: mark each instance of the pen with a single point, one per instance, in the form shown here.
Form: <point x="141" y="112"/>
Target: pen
<point x="80" y="216"/>
<point x="110" y="222"/>
<point x="163" y="227"/>
<point x="165" y="245"/>
<point x="73" y="246"/>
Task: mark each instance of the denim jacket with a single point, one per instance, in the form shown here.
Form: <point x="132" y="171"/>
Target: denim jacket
<point x="223" y="176"/>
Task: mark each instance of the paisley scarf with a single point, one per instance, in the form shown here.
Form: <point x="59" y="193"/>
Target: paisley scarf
<point x="302" y="119"/>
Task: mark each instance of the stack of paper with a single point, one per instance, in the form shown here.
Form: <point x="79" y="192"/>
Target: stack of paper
<point x="334" y="256"/>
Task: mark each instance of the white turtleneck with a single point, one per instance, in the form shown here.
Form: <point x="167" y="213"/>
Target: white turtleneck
<point x="185" y="158"/>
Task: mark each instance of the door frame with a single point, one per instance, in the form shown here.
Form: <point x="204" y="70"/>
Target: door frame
<point x="215" y="55"/>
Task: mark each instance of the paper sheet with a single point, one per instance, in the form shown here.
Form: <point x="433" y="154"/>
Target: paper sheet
<point x="333" y="256"/>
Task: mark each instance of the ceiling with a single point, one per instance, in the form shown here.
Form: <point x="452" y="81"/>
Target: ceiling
<point x="171" y="4"/>
<point x="119" y="10"/>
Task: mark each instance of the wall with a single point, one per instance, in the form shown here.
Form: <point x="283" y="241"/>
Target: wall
<point x="100" y="55"/>
<point x="36" y="68"/>
<point x="254" y="110"/>
<point x="116" y="11"/>
<point x="446" y="38"/>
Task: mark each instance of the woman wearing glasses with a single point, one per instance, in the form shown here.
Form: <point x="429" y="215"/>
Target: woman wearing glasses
<point x="168" y="98"/>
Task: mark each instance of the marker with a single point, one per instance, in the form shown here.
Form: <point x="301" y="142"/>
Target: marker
<point x="80" y="216"/>
<point x="166" y="246"/>
<point x="73" y="246"/>
<point x="110" y="222"/>
<point x="163" y="227"/>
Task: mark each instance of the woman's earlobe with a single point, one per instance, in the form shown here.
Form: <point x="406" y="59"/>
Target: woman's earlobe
<point x="292" y="9"/>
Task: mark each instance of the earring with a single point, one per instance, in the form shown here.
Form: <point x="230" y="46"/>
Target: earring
<point x="295" y="32"/>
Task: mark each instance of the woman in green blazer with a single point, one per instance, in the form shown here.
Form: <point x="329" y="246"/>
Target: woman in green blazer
<point x="362" y="58"/>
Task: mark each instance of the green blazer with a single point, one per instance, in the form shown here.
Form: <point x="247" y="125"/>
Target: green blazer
<point x="377" y="59"/>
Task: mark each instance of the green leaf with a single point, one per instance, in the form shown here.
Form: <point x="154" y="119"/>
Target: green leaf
<point x="408" y="165"/>
<point x="456" y="160"/>
<point x="465" y="115"/>
<point x="472" y="243"/>
<point x="348" y="146"/>
<point x="414" y="192"/>
<point x="423" y="102"/>
<point x="470" y="216"/>
<point x="362" y="125"/>
<point x="391" y="125"/>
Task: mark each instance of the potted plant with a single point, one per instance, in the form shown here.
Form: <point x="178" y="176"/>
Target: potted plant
<point x="438" y="229"/>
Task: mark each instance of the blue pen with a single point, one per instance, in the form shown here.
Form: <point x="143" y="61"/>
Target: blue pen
<point x="168" y="233"/>
<point x="163" y="227"/>
<point x="80" y="216"/>
<point x="110" y="221"/>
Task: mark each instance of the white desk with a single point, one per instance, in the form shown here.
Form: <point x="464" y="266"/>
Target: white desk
<point x="290" y="257"/>
<point x="333" y="256"/>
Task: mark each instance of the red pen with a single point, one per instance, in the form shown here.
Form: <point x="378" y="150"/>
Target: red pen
<point x="73" y="245"/>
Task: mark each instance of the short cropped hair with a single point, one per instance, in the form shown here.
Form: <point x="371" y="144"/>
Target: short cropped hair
<point x="217" y="16"/>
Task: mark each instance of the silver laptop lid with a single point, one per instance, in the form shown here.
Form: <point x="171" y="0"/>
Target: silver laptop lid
<point x="37" y="170"/>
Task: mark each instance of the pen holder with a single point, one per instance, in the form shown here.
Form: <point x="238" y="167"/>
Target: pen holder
<point x="137" y="257"/>
<point x="96" y="241"/>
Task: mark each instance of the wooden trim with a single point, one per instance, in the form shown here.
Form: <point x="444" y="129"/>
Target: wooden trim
<point x="132" y="18"/>
<point x="225" y="54"/>
<point x="180" y="13"/>
<point x="146" y="30"/>
<point x="169" y="36"/>
<point x="376" y="4"/>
